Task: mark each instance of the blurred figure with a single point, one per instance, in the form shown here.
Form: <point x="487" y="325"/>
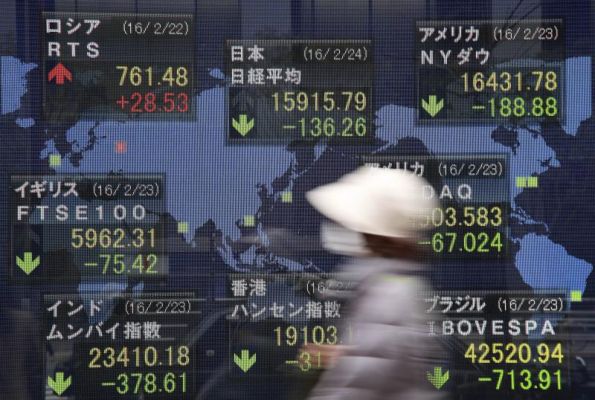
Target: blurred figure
<point x="377" y="215"/>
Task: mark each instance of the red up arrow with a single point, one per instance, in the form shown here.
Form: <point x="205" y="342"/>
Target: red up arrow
<point x="59" y="73"/>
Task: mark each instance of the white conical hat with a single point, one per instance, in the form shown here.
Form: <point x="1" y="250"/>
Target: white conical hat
<point x="385" y="202"/>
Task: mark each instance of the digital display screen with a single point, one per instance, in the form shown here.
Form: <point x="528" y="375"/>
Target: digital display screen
<point x="157" y="238"/>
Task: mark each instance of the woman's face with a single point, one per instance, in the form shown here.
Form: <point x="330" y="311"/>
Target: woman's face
<point x="340" y="240"/>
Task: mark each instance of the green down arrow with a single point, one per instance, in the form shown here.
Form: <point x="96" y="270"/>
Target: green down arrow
<point x="438" y="379"/>
<point x="432" y="106"/>
<point x="245" y="362"/>
<point x="243" y="126"/>
<point x="27" y="263"/>
<point x="59" y="385"/>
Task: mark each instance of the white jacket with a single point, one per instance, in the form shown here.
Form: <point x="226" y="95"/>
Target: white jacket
<point x="393" y="351"/>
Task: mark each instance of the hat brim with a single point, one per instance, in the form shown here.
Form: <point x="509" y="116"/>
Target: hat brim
<point x="350" y="206"/>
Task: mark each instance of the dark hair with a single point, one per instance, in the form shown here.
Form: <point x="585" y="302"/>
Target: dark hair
<point x="393" y="247"/>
